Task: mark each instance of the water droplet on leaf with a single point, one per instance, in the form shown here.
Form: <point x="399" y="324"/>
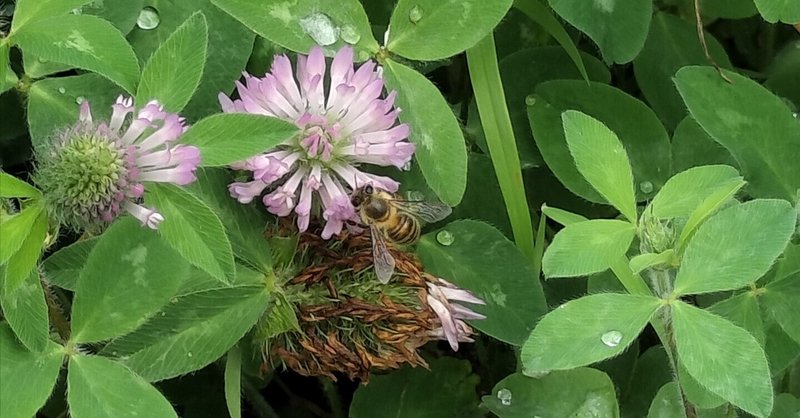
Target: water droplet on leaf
<point x="62" y="90"/>
<point x="530" y="100"/>
<point x="611" y="338"/>
<point x="80" y="99"/>
<point x="189" y="354"/>
<point x="505" y="396"/>
<point x="445" y="237"/>
<point x="41" y="60"/>
<point x="349" y="34"/>
<point x="148" y="18"/>
<point x="320" y="28"/>
<point x="646" y="187"/>
<point x="415" y="14"/>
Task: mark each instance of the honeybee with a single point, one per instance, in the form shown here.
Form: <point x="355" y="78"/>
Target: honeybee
<point x="394" y="219"/>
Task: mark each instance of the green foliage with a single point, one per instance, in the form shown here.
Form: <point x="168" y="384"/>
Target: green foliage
<point x="477" y="251"/>
<point x="753" y="124"/>
<point x="780" y="298"/>
<point x="63" y="267"/>
<point x="190" y="332"/>
<point x="233" y="382"/>
<point x="244" y="225"/>
<point x="568" y="393"/>
<point x="440" y="148"/>
<point x="542" y="15"/>
<point x="520" y="73"/>
<point x="737" y="370"/>
<point x="684" y="249"/>
<point x="173" y="72"/>
<point x="496" y="123"/>
<point x="26" y="312"/>
<point x="229" y="46"/>
<point x="85" y="42"/>
<point x="601" y="160"/>
<point x="429" y="30"/>
<point x="753" y="234"/>
<point x="96" y="383"/>
<point x="585" y="331"/>
<point x="667" y="403"/>
<point x="24" y="245"/>
<point x="619" y="30"/>
<point x="779" y="10"/>
<point x="145" y="272"/>
<point x="53" y="103"/>
<point x="671" y="44"/>
<point x="229" y="137"/>
<point x="32" y="10"/>
<point x="685" y="191"/>
<point x="447" y="389"/>
<point x="11" y="186"/>
<point x="26" y="377"/>
<point x="599" y="241"/>
<point x="194" y="230"/>
<point x="635" y="125"/>
<point x="298" y="26"/>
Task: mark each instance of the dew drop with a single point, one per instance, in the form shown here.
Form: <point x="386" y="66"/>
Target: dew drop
<point x="189" y="354"/>
<point x="445" y="238"/>
<point x="148" y="18"/>
<point x="41" y="60"/>
<point x="505" y="396"/>
<point x="646" y="187"/>
<point x="530" y="100"/>
<point x="611" y="338"/>
<point x="278" y="302"/>
<point x="62" y="90"/>
<point x="320" y="28"/>
<point x="415" y="14"/>
<point x="349" y="34"/>
<point x="80" y="99"/>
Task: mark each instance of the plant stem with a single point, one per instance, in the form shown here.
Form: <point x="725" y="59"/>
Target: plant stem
<point x="661" y="322"/>
<point x="259" y="404"/>
<point x="334" y="400"/>
<point x="491" y="100"/>
<point x="56" y="315"/>
<point x="633" y="283"/>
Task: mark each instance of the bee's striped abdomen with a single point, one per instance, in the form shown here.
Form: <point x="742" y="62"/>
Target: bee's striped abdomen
<point x="405" y="231"/>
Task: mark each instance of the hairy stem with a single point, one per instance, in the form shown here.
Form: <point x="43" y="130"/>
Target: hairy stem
<point x="56" y="314"/>
<point x="334" y="400"/>
<point x="259" y="404"/>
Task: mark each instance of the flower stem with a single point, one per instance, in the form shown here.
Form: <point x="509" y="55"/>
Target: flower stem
<point x="491" y="100"/>
<point x="334" y="400"/>
<point x="254" y="398"/>
<point x="56" y="315"/>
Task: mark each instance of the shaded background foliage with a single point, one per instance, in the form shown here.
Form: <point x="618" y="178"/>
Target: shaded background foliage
<point x="546" y="54"/>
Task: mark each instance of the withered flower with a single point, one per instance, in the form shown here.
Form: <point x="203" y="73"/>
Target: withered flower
<point x="348" y="323"/>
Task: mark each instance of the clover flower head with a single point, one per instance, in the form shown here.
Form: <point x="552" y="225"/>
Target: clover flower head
<point x="346" y="123"/>
<point x="452" y="315"/>
<point x="96" y="170"/>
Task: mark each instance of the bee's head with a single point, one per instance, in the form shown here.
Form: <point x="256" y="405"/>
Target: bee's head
<point x="360" y="195"/>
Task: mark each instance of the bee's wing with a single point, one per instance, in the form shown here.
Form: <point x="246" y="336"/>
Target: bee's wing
<point x="428" y="212"/>
<point x="382" y="259"/>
